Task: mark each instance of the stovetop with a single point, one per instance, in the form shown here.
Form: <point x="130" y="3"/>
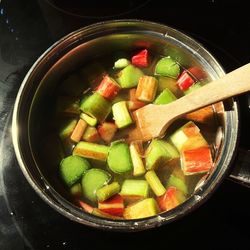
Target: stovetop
<point x="29" y="27"/>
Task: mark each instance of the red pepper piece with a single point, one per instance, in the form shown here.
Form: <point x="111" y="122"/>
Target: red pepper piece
<point x="185" y="81"/>
<point x="108" y="88"/>
<point x="113" y="206"/>
<point x="141" y="59"/>
<point x="170" y="199"/>
<point x="107" y="131"/>
<point x="196" y="161"/>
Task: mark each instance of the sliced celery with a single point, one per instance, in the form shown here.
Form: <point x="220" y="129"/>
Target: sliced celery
<point x="97" y="106"/>
<point x="119" y="159"/>
<point x="91" y="150"/>
<point x="107" y="191"/>
<point x="129" y="76"/>
<point x="155" y="183"/>
<point x="132" y="187"/>
<point x="158" y="152"/>
<point x="142" y="209"/>
<point x="121" y="115"/>
<point x="166" y="66"/>
<point x="165" y="97"/>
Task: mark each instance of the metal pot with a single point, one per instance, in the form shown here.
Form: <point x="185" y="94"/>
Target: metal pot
<point x="36" y="96"/>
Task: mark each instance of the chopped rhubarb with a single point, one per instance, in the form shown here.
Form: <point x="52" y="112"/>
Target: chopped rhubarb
<point x="133" y="102"/>
<point x="76" y="190"/>
<point x="171" y="199"/>
<point x="193" y="87"/>
<point x="78" y="131"/>
<point x="107" y="191"/>
<point x="86" y="207"/>
<point x="91" y="135"/>
<point x="196" y="161"/>
<point x="166" y="66"/>
<point x="67" y="106"/>
<point x="146" y="89"/>
<point x="141" y="59"/>
<point x="141" y="209"/>
<point x="121" y="114"/>
<point x="155" y="183"/>
<point x="107" y="131"/>
<point x="92" y="121"/>
<point x="91" y="150"/>
<point x="113" y="206"/>
<point x="165" y="97"/>
<point x="185" y="81"/>
<point x="121" y="63"/>
<point x="197" y="72"/>
<point x="67" y="129"/>
<point x="108" y="88"/>
<point x="102" y="214"/>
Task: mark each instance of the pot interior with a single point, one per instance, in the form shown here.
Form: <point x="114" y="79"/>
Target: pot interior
<point x="39" y="144"/>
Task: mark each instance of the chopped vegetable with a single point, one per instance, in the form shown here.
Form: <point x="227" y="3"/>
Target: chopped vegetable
<point x="92" y="121"/>
<point x="72" y="168"/>
<point x="78" y="131"/>
<point x="133" y="102"/>
<point x="204" y="115"/>
<point x="91" y="150"/>
<point x="108" y="88"/>
<point x="67" y="129"/>
<point x="177" y="182"/>
<point x="102" y="214"/>
<point x="138" y="165"/>
<point x="91" y="135"/>
<point x="197" y="72"/>
<point x="107" y="131"/>
<point x="167" y="67"/>
<point x="158" y="152"/>
<point x="146" y="89"/>
<point x="171" y="84"/>
<point x="155" y="183"/>
<point x="93" y="180"/>
<point x="185" y="81"/>
<point x="188" y="137"/>
<point x="76" y="190"/>
<point x="67" y="106"/>
<point x="171" y="199"/>
<point x="192" y="88"/>
<point x="141" y="59"/>
<point x="133" y="187"/>
<point x="96" y="106"/>
<point x="86" y="207"/>
<point x="121" y="63"/>
<point x="113" y="206"/>
<point x="165" y="97"/>
<point x="121" y="115"/>
<point x="195" y="161"/>
<point x="107" y="191"/>
<point x="142" y="209"/>
<point x="129" y="76"/>
<point x="119" y="159"/>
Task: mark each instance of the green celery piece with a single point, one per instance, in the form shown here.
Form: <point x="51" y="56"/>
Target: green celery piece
<point x="72" y="168"/>
<point x="155" y="183"/>
<point x="142" y="209"/>
<point x="121" y="63"/>
<point x="166" y="66"/>
<point x="91" y="150"/>
<point x="192" y="88"/>
<point x="133" y="187"/>
<point x="76" y="190"/>
<point x="107" y="191"/>
<point x="67" y="128"/>
<point x="165" y="97"/>
<point x="92" y="121"/>
<point x="119" y="159"/>
<point x="129" y="76"/>
<point x="93" y="180"/>
<point x="96" y="106"/>
<point x="121" y="114"/>
<point x="178" y="183"/>
<point x="158" y="152"/>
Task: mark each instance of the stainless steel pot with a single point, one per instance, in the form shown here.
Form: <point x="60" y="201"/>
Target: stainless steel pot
<point x="36" y="96"/>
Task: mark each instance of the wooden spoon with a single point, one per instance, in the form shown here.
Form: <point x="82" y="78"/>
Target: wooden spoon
<point x="153" y="120"/>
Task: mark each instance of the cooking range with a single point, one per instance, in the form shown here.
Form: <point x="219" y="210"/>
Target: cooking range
<point x="27" y="28"/>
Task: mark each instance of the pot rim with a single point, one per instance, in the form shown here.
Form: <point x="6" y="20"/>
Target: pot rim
<point x="192" y="203"/>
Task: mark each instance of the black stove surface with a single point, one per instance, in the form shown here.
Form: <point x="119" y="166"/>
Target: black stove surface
<point x="29" y="27"/>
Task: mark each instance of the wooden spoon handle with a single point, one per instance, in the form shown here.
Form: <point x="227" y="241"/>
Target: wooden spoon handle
<point x="233" y="83"/>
